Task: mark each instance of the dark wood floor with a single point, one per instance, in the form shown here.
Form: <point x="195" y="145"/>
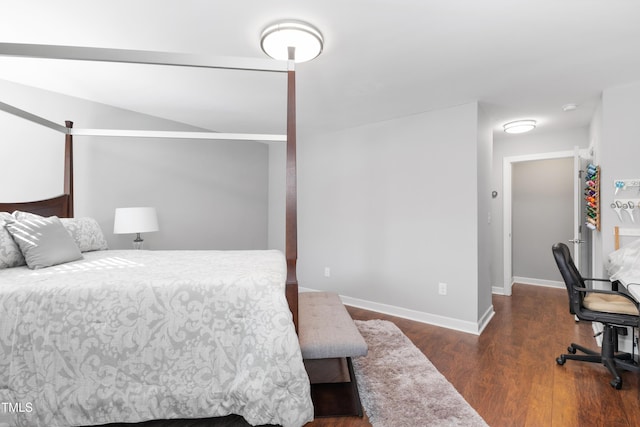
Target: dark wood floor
<point x="509" y="374"/>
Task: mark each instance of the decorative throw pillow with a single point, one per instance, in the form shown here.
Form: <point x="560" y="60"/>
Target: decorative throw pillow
<point x="44" y="242"/>
<point x="86" y="232"/>
<point x="10" y="255"/>
<point x="21" y="215"/>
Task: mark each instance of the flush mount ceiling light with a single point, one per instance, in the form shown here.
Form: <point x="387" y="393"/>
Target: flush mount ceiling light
<point x="519" y="126"/>
<point x="295" y="40"/>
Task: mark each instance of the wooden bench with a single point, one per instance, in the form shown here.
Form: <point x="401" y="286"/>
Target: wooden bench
<point x="328" y="334"/>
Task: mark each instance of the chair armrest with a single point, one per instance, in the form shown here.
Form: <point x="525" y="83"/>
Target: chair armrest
<point x="614" y="284"/>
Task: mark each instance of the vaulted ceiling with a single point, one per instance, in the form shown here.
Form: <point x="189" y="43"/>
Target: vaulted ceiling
<point x="382" y="58"/>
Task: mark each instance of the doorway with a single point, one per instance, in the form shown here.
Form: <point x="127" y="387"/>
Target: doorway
<point x="536" y="212"/>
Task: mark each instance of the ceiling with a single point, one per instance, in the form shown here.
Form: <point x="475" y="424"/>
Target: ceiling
<point x="382" y="59"/>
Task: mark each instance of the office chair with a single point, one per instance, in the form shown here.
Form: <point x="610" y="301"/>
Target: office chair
<point x="611" y="308"/>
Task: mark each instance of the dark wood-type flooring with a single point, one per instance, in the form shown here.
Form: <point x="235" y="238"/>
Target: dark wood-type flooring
<point x="509" y="374"/>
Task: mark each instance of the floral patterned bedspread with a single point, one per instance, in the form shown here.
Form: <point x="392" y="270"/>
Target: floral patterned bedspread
<point x="128" y="336"/>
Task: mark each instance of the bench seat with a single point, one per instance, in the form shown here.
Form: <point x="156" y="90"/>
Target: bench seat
<point x="326" y="328"/>
<point x="327" y="331"/>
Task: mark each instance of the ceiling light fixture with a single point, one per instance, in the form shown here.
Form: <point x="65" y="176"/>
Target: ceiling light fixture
<point x="519" y="126"/>
<point x="294" y="40"/>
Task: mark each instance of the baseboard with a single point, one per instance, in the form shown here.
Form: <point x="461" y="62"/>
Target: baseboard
<point x="497" y="290"/>
<point x="485" y="319"/>
<point x="419" y="316"/>
<point x="539" y="282"/>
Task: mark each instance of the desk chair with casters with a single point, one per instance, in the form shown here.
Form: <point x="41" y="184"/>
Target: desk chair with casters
<point x="611" y="308"/>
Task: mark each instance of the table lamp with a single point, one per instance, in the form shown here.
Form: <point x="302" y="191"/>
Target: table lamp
<point x="135" y="220"/>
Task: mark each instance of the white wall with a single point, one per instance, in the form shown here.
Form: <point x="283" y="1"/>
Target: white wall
<point x="209" y="194"/>
<point x="614" y="138"/>
<point x="618" y="151"/>
<point x="277" y="196"/>
<point x="485" y="249"/>
<point x="595" y="139"/>
<point x="392" y="209"/>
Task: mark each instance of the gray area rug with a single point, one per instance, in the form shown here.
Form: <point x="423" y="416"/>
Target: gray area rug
<point x="400" y="387"/>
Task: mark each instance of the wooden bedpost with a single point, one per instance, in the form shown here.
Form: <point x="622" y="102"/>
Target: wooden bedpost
<point x="68" y="168"/>
<point x="291" y="250"/>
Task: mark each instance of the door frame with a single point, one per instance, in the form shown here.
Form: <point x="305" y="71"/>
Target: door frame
<point x="507" y="245"/>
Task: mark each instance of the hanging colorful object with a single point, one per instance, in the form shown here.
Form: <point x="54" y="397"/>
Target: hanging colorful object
<point x="592" y="197"/>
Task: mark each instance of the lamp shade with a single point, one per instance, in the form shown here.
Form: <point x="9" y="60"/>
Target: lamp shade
<point x="135" y="220"/>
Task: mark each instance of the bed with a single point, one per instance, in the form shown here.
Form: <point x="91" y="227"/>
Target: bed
<point x="128" y="336"/>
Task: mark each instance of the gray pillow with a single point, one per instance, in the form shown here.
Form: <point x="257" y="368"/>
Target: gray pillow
<point x="10" y="255"/>
<point x="44" y="242"/>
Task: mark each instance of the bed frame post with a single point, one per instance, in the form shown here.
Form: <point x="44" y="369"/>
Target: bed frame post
<point x="68" y="168"/>
<point x="291" y="250"/>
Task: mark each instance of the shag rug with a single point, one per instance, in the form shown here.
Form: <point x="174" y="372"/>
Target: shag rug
<point x="400" y="387"/>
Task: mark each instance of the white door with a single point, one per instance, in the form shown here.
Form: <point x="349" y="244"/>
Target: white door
<point x="581" y="234"/>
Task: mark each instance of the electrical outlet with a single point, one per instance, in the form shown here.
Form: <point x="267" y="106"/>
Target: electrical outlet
<point x="327" y="272"/>
<point x="442" y="288"/>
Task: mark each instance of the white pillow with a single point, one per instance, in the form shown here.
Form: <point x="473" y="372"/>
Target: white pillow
<point x="20" y="215"/>
<point x="43" y="242"/>
<point x="86" y="232"/>
<point x="10" y="255"/>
